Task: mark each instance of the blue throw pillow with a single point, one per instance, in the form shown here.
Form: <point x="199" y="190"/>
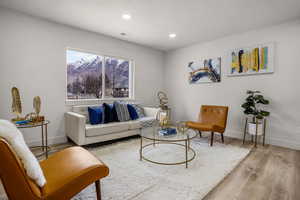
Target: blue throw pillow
<point x="95" y="115"/>
<point x="114" y="113"/>
<point x="132" y="112"/>
<point x="109" y="113"/>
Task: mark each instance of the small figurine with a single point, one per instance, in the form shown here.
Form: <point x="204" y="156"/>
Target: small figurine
<point x="163" y="100"/>
<point x="16" y="104"/>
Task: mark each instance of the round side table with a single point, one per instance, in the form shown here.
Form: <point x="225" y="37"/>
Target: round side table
<point x="44" y="132"/>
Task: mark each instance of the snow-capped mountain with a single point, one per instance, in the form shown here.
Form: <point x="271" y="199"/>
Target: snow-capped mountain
<point x="89" y="65"/>
<point x="92" y="66"/>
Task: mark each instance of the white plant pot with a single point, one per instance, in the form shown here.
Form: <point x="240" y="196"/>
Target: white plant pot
<point x="252" y="128"/>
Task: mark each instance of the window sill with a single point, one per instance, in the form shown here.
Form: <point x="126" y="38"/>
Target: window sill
<point x="95" y="101"/>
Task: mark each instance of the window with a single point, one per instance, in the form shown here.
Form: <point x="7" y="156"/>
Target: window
<point x="85" y="78"/>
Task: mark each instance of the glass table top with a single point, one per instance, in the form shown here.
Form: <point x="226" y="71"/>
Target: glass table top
<point x="179" y="136"/>
<point x="31" y="125"/>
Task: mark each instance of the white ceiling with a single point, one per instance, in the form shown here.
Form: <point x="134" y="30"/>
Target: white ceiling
<point x="152" y="20"/>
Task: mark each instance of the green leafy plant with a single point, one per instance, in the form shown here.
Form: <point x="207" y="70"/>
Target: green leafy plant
<point x="251" y="106"/>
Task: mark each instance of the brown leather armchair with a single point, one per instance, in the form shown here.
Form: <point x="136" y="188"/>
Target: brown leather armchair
<point x="67" y="173"/>
<point x="211" y="118"/>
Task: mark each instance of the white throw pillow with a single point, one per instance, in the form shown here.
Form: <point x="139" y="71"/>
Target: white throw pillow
<point x="14" y="137"/>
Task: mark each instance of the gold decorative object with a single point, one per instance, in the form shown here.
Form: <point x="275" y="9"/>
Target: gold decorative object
<point x="31" y="117"/>
<point x="35" y="117"/>
<point x="16" y="104"/>
<point x="163" y="100"/>
<point x="181" y="126"/>
<point x="37" y="105"/>
<point x="163" y="118"/>
<point x="163" y="115"/>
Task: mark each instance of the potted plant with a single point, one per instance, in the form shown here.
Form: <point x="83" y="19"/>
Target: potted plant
<point x="252" y="106"/>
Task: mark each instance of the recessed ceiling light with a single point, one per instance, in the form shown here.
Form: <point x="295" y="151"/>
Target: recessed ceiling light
<point x="126" y="16"/>
<point x="172" y="35"/>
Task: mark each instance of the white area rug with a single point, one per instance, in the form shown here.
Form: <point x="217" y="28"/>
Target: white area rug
<point x="132" y="179"/>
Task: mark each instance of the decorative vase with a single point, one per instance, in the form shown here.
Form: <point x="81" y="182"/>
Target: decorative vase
<point x="252" y="128"/>
<point x="181" y="127"/>
<point x="163" y="117"/>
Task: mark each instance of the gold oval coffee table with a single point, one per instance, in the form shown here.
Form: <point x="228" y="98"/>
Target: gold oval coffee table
<point x="174" y="139"/>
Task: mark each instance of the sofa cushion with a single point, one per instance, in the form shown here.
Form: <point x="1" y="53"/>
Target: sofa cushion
<point x="109" y="113"/>
<point x="83" y="110"/>
<point x="122" y="111"/>
<point x="139" y="109"/>
<point x="103" y="129"/>
<point x="147" y="122"/>
<point x="114" y="113"/>
<point x="132" y="112"/>
<point x="134" y="124"/>
<point x="95" y="115"/>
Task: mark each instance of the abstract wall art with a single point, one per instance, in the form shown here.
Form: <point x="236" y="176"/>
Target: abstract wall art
<point x="205" y="71"/>
<point x="252" y="60"/>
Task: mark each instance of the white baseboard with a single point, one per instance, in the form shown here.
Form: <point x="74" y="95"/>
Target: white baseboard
<point x="53" y="140"/>
<point x="273" y="141"/>
<point x="229" y="133"/>
<point x="285" y="143"/>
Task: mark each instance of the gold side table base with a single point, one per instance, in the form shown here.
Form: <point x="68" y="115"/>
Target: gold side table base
<point x="45" y="150"/>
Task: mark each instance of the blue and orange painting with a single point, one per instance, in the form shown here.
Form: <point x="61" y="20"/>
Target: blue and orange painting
<point x="207" y="71"/>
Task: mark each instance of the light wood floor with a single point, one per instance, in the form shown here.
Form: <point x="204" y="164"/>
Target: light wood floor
<point x="267" y="173"/>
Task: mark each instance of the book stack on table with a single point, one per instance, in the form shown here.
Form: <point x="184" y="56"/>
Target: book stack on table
<point x="167" y="131"/>
<point x="22" y="122"/>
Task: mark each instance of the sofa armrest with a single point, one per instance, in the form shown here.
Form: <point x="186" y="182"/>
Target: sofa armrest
<point x="75" y="127"/>
<point x="150" y="111"/>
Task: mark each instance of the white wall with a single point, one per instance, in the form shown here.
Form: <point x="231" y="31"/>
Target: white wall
<point x="281" y="88"/>
<point x="32" y="58"/>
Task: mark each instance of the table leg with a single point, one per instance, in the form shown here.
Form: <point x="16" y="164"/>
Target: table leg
<point x="141" y="148"/>
<point x="264" y="136"/>
<point x="186" y="154"/>
<point x="154" y="138"/>
<point x="46" y="139"/>
<point x="255" y="145"/>
<point x="43" y="143"/>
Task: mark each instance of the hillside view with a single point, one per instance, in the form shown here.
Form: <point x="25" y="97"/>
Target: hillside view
<point x="84" y="76"/>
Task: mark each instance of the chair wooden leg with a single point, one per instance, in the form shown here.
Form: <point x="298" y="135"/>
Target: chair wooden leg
<point x="222" y="136"/>
<point x="98" y="189"/>
<point x="200" y="134"/>
<point x="212" y="138"/>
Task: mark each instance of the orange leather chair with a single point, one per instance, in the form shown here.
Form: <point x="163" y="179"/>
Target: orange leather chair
<point x="211" y="118"/>
<point x="67" y="173"/>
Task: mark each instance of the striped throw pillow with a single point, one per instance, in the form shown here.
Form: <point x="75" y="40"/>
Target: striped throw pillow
<point x="139" y="109"/>
<point x="122" y="111"/>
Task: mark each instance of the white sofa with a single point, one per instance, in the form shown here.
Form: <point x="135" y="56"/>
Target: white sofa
<point x="80" y="131"/>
